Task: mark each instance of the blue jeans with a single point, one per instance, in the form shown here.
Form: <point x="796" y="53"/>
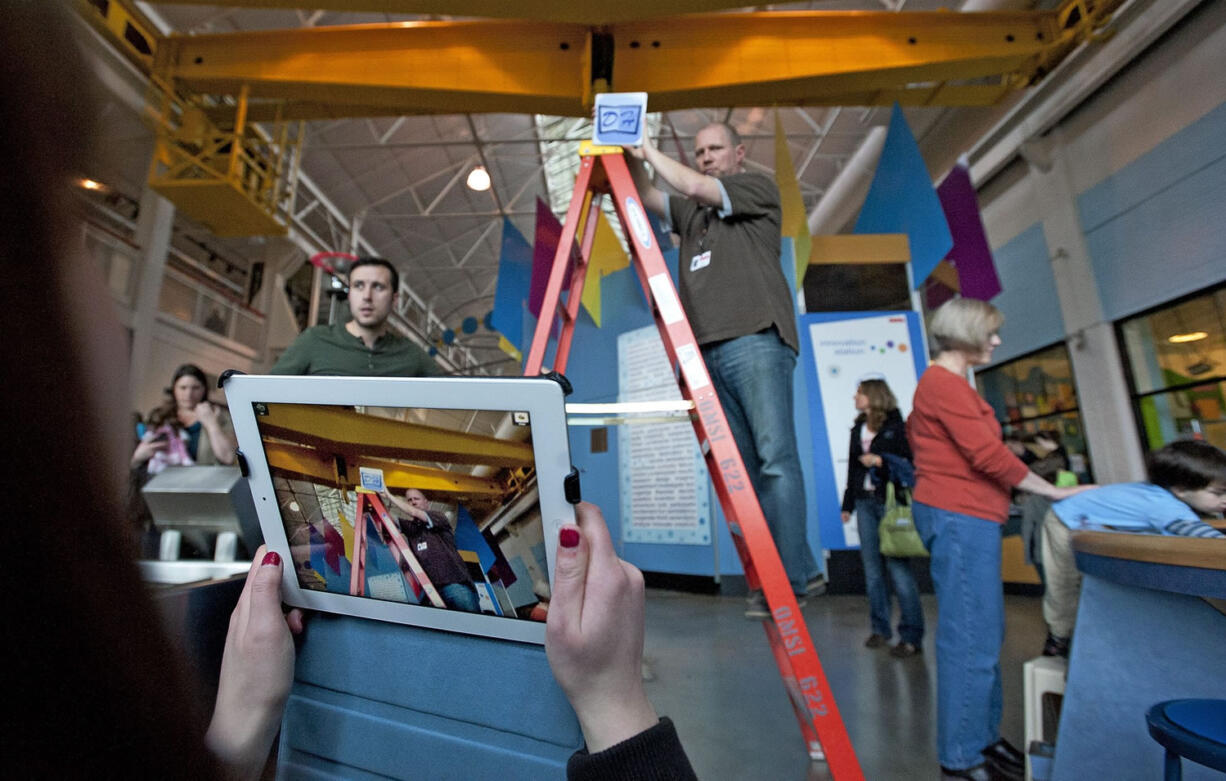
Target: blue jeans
<point x="970" y="631"/>
<point x="901" y="578"/>
<point x="460" y="596"/>
<point x="753" y="377"/>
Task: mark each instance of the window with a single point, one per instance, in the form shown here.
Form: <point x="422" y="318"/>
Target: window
<point x="1035" y="393"/>
<point x="1175" y="358"/>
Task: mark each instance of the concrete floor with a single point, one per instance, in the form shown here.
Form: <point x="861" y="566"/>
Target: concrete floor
<point x="710" y="669"/>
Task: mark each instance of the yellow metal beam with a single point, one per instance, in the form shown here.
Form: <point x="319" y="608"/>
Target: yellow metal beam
<point x="355" y="435"/>
<point x="317" y="466"/>
<point x="133" y="34"/>
<point x="812" y="57"/>
<point x="413" y="67"/>
<point x="572" y="11"/>
<point x="787" y="58"/>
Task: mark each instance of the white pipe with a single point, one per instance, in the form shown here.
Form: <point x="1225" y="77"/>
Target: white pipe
<point x="845" y="196"/>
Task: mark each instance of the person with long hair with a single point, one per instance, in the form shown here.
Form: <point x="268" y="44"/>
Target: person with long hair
<point x="964" y="475"/>
<point x="101" y="689"/>
<point x="879" y="431"/>
<point x="201" y="427"/>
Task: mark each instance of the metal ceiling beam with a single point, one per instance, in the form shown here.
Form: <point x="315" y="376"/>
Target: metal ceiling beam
<point x="571" y="11"/>
<point x="319" y="466"/>
<point x="793" y="58"/>
<point x="351" y="433"/>
<point x="411" y="67"/>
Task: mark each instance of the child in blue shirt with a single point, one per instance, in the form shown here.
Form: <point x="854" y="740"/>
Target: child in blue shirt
<point x="1187" y="479"/>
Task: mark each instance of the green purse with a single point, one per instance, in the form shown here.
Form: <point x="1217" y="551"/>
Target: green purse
<point x="897" y="528"/>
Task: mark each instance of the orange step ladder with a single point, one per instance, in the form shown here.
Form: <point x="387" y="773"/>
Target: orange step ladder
<point x="414" y="576"/>
<point x="603" y="171"/>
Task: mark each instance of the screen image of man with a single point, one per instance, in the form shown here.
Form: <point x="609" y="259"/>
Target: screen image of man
<point x="739" y="305"/>
<point x="432" y="541"/>
<point x="365" y="345"/>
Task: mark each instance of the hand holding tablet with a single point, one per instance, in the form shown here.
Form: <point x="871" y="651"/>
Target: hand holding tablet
<point x="594" y="636"/>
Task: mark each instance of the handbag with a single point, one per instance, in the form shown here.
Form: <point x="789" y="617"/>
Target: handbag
<point x="896" y="531"/>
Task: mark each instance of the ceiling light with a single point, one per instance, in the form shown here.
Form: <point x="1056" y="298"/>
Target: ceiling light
<point x="90" y="184"/>
<point x="1194" y="336"/>
<point x="478" y="179"/>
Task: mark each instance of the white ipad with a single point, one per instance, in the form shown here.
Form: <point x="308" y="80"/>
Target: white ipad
<point x="432" y="501"/>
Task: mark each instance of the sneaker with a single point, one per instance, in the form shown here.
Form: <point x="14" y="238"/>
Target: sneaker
<point x="1056" y="646"/>
<point x="816" y="586"/>
<point x="876" y="641"/>
<point x="904" y="650"/>
<point x="759" y="609"/>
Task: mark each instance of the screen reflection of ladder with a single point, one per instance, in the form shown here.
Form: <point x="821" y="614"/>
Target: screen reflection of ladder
<point x="603" y="171"/>
<point x="370" y="508"/>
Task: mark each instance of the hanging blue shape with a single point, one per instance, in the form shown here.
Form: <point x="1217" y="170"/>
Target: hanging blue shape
<point x="514" y="277"/>
<point x="469" y="326"/>
<point x="903" y="200"/>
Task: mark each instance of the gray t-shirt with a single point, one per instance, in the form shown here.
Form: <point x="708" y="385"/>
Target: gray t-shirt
<point x="739" y="288"/>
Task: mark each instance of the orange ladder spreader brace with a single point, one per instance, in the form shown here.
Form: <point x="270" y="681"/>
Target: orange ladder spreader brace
<point x="603" y="171"/>
<point x="410" y="568"/>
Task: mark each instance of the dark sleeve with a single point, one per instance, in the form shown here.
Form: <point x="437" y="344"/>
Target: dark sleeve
<point x="849" y="494"/>
<point x="294" y="360"/>
<point x="652" y="755"/>
<point x="751" y="195"/>
<point x="896" y="444"/>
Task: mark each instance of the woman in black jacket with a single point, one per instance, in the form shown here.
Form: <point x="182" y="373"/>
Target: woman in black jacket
<point x="879" y="430"/>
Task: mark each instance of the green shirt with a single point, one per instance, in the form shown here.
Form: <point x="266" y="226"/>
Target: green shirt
<point x="331" y="349"/>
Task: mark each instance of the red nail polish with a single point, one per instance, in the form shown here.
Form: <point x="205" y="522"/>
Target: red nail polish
<point x="569" y="538"/>
<point x="272" y="557"/>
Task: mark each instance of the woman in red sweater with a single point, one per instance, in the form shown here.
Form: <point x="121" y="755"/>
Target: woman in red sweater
<point x="964" y="473"/>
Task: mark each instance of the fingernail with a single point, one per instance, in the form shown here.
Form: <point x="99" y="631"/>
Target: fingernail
<point x="569" y="538"/>
<point x="272" y="557"/>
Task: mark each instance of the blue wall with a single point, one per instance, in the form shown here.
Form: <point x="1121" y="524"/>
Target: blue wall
<point x="1155" y="229"/>
<point x="1028" y="299"/>
<point x="592" y="369"/>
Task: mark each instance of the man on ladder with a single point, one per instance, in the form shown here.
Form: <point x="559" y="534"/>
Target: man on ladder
<point x="740" y="308"/>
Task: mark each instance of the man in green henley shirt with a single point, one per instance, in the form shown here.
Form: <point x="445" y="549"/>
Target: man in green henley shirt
<point x="365" y="346"/>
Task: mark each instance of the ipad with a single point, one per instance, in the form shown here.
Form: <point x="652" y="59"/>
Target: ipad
<point x="426" y="501"/>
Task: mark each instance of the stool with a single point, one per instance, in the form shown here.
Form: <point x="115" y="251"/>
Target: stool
<point x="1043" y="680"/>
<point x="1195" y="729"/>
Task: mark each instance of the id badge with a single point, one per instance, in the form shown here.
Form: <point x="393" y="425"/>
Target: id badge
<point x="700" y="261"/>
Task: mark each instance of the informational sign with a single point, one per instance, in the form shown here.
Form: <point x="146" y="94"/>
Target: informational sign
<point x="664" y="490"/>
<point x="843" y="349"/>
<point x="372" y="479"/>
<point x="620" y="118"/>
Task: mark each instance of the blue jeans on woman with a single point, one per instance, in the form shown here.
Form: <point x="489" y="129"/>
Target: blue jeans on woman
<point x="901" y="579"/>
<point x="970" y="631"/>
<point x="752" y="376"/>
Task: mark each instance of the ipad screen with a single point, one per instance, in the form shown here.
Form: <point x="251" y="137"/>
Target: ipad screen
<point x="433" y="507"/>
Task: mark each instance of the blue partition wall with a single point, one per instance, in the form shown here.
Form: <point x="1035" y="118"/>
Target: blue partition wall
<point x="592" y="369"/>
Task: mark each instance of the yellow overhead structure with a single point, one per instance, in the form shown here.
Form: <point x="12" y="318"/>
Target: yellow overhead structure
<point x="572" y="11"/>
<point x="733" y="59"/>
<point x="236" y="181"/>
<point x="549" y="57"/>
<point x="355" y="435"/>
<point x="319" y="466"/>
